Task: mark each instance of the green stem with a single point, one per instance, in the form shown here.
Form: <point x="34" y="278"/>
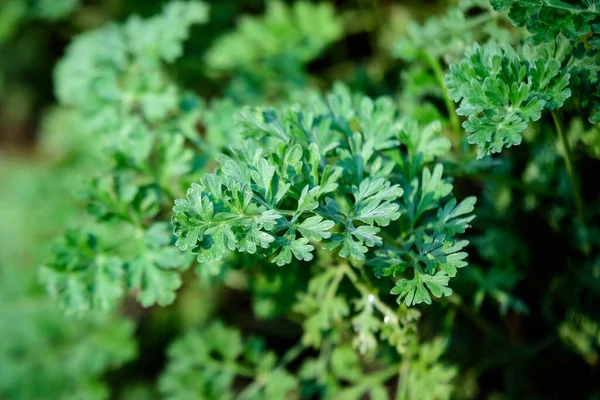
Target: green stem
<point x="402" y="389"/>
<point x="251" y="390"/>
<point x="477" y="319"/>
<point x="453" y="299"/>
<point x="567" y="155"/>
<point x="335" y="283"/>
<point x="378" y="378"/>
<point x="453" y="117"/>
<point x="292" y="354"/>
<point x="366" y="291"/>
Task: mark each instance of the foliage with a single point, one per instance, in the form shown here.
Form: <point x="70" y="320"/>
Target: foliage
<point x="546" y="19"/>
<point x="501" y="89"/>
<point x="67" y="358"/>
<point x="320" y="176"/>
<point x="239" y="224"/>
<point x="142" y="117"/>
<point x="217" y="355"/>
<point x="14" y="12"/>
<point x="278" y="43"/>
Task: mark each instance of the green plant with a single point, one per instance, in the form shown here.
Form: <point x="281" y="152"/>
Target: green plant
<point x="264" y="238"/>
<point x="279" y="43"/>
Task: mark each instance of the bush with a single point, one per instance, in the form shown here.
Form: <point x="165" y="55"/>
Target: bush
<point x="239" y="223"/>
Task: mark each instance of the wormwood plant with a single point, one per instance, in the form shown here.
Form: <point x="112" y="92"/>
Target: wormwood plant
<point x="115" y="78"/>
<point x="343" y="182"/>
<point x="277" y="44"/>
<point x="327" y="229"/>
<point x="67" y="357"/>
<point x="14" y="12"/>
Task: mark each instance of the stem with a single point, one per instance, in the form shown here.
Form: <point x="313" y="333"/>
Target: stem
<point x="453" y="117"/>
<point x="376" y="379"/>
<point x="567" y="155"/>
<point x="366" y="291"/>
<point x="251" y="390"/>
<point x="339" y="275"/>
<point x="477" y="319"/>
<point x="291" y="355"/>
<point x="402" y="389"/>
<point x="453" y="299"/>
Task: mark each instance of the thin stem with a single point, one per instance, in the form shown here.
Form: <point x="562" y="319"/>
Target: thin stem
<point x="366" y="291"/>
<point x="453" y="117"/>
<point x="477" y="319"/>
<point x="335" y="283"/>
<point x="379" y="377"/>
<point x="291" y="355"/>
<point x="567" y="155"/>
<point x="402" y="389"/>
<point x="262" y="380"/>
<point x="453" y="299"/>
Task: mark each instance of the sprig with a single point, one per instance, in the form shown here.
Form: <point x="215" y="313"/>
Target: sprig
<point x="321" y="180"/>
<point x="205" y="365"/>
<point x="115" y="79"/>
<point x="500" y="90"/>
<point x="546" y="19"/>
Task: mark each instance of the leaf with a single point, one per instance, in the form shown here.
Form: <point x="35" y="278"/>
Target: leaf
<point x="345" y="364"/>
<point x="298" y="247"/>
<point x="153" y="272"/>
<point x="308" y="199"/>
<point x="95" y="75"/>
<point x="207" y="364"/>
<point x="445" y="36"/>
<point x="81" y="276"/>
<point x="500" y="90"/>
<point x="315" y="228"/>
<point x="304" y="29"/>
<point x="155" y="285"/>
<point x="449" y="215"/>
<point x="163" y="35"/>
<point x="546" y="19"/>
<point x="198" y="363"/>
<point x="414" y="291"/>
<point x="263" y="177"/>
<point x="381" y="214"/>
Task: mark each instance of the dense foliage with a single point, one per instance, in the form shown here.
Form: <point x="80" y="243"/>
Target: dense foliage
<point x="251" y="208"/>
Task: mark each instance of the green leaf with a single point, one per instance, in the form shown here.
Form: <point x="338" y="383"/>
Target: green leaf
<point x="315" y="228"/>
<point x="208" y="364"/>
<point x="500" y="90"/>
<point x="155" y="285"/>
<point x="153" y="272"/>
<point x="417" y="290"/>
<point x="81" y="276"/>
<point x="546" y="19"/>
<point x="298" y="247"/>
<point x="304" y="29"/>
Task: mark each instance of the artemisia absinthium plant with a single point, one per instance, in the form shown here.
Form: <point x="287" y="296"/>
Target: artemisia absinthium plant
<point x="332" y="211"/>
<point x="501" y="88"/>
<point x="348" y="186"/>
<point x="341" y="185"/>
